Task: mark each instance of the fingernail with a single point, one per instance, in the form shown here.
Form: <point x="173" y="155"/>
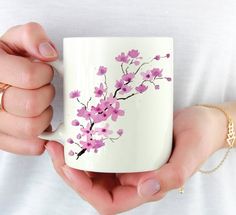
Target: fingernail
<point x="67" y="173"/>
<point x="47" y="50"/>
<point x="148" y="188"/>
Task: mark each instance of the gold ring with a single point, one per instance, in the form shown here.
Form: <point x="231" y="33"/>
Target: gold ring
<point x="3" y="88"/>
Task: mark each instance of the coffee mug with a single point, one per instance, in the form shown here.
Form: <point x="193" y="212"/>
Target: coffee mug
<point x="118" y="103"/>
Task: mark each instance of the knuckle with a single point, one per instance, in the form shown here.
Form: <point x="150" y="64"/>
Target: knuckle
<point x="30" y="27"/>
<point x="37" y="149"/>
<point x="28" y="78"/>
<point x="179" y="176"/>
<point x="31" y="128"/>
<point x="32" y="106"/>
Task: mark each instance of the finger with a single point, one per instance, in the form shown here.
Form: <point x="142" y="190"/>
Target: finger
<point x="28" y="103"/>
<point x="25" y="127"/>
<point x="186" y="158"/>
<point x="21" y="72"/>
<point x="117" y="200"/>
<point x="29" y="39"/>
<point x="33" y="146"/>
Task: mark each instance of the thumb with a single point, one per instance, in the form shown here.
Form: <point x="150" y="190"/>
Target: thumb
<point x="29" y="40"/>
<point x="184" y="161"/>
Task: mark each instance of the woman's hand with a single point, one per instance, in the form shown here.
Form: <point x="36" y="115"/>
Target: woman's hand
<point x="27" y="102"/>
<point x="198" y="133"/>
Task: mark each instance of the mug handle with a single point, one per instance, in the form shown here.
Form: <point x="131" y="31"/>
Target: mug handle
<point x="58" y="134"/>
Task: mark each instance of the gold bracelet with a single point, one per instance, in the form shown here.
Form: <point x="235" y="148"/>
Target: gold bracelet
<point x="230" y="138"/>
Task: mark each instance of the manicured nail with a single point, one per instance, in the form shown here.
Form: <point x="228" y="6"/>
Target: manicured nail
<point x="67" y="172"/>
<point x="47" y="50"/>
<point x="148" y="188"/>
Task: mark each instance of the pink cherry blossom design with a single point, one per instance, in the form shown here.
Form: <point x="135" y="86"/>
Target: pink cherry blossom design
<point x="96" y="109"/>
<point x="75" y="122"/>
<point x="147" y="75"/>
<point x="81" y="111"/>
<point x="97" y="144"/>
<point x="70" y="140"/>
<point x="105" y="103"/>
<point x="87" y="145"/>
<point x="116" y="111"/>
<point x="86" y="131"/>
<point x="136" y="63"/>
<point x="120" y="132"/>
<point x="157" y="87"/>
<point x="102" y="70"/>
<point x="156" y="72"/>
<point x="128" y="77"/>
<point x="104" y="131"/>
<point x="157" y="57"/>
<point x="122" y="58"/>
<point x="119" y="84"/>
<point x="74" y="94"/>
<point x="99" y="90"/>
<point x="141" y="88"/>
<point x="111" y="99"/>
<point x="125" y="89"/>
<point x="133" y="53"/>
<point x="71" y="153"/>
<point x="84" y="113"/>
<point x="103" y="116"/>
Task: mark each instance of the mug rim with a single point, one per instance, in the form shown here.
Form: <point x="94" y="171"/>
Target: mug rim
<point x="118" y="37"/>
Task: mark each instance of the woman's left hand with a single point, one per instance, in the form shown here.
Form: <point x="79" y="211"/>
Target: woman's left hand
<point x="198" y="133"/>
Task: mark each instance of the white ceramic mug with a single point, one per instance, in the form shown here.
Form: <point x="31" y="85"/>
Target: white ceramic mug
<point x="118" y="103"/>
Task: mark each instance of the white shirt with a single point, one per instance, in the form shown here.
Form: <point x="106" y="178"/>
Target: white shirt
<point x="205" y="72"/>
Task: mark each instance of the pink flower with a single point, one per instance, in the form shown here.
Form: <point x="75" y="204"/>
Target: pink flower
<point x="105" y="103"/>
<point x="128" y="77"/>
<point x="87" y="145"/>
<point x="141" y="88"/>
<point x="168" y="78"/>
<point x="147" y="75"/>
<point x="70" y="140"/>
<point x="71" y="153"/>
<point x="115" y="111"/>
<point x="119" y="84"/>
<point x="84" y="113"/>
<point x="96" y="109"/>
<point x="102" y="70"/>
<point x="99" y="90"/>
<point x="157" y="87"/>
<point x="86" y="131"/>
<point x="120" y="132"/>
<point x="133" y="53"/>
<point x="104" y="131"/>
<point x="122" y="58"/>
<point x="74" y="94"/>
<point x="75" y="122"/>
<point x="102" y="117"/>
<point x="125" y="89"/>
<point x="168" y="55"/>
<point x="157" y="57"/>
<point x="156" y="72"/>
<point x="97" y="144"/>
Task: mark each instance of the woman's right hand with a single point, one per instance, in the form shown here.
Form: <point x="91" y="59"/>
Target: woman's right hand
<point x="27" y="102"/>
